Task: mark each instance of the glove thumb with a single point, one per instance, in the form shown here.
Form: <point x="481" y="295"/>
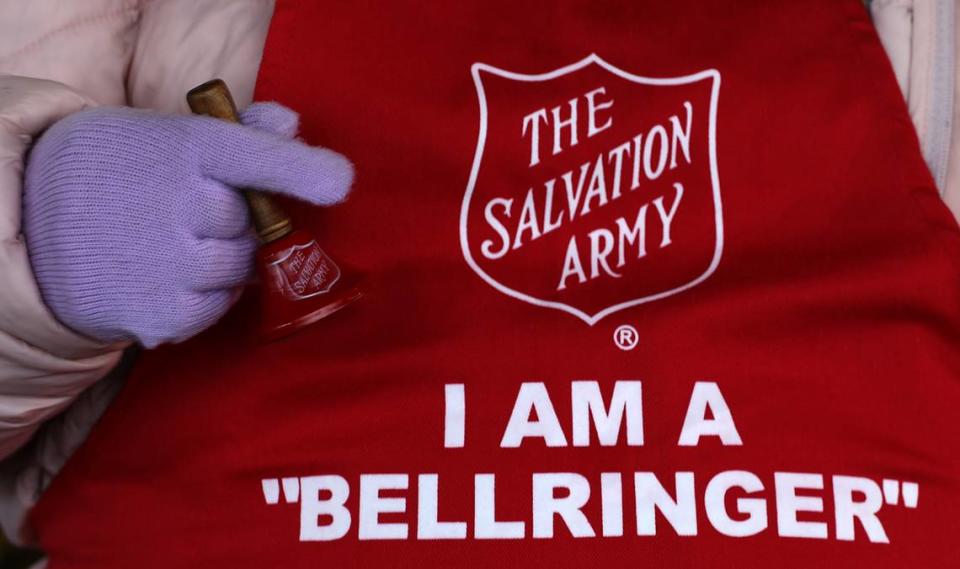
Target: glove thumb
<point x="271" y="117"/>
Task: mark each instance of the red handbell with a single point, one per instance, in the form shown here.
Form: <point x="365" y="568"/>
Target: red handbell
<point x="301" y="284"/>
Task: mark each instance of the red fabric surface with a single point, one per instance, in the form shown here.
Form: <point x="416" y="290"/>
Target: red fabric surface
<point x="820" y="302"/>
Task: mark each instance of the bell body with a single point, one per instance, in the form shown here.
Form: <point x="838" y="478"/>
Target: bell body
<point x="300" y="284"/>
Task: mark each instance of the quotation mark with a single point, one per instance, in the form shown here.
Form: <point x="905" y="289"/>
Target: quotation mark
<point x="892" y="493"/>
<point x="273" y="486"/>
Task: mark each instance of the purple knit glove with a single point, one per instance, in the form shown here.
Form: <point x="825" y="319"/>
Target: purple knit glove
<point x="133" y="225"/>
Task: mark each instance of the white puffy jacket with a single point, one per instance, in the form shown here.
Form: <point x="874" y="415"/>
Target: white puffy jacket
<point x="60" y="56"/>
<point x="56" y="58"/>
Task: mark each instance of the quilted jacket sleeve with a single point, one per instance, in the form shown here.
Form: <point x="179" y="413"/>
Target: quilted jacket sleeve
<point x="58" y="57"/>
<point x="43" y="365"/>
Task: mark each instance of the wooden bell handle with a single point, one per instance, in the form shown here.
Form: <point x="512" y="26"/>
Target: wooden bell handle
<point x="213" y="99"/>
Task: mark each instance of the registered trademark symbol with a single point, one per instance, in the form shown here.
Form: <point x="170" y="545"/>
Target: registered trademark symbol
<point x="626" y="337"/>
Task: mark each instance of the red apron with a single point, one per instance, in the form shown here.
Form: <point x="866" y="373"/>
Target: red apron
<point x="651" y="284"/>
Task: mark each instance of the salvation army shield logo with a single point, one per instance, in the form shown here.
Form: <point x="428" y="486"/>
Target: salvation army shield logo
<point x="593" y="190"/>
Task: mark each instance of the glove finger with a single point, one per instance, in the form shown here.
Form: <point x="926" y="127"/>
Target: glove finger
<point x="271" y="117"/>
<point x="219" y="264"/>
<point x="217" y="211"/>
<point x="205" y="309"/>
<point x="248" y="158"/>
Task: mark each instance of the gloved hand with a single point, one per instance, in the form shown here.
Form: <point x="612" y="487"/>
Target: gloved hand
<point x="133" y="223"/>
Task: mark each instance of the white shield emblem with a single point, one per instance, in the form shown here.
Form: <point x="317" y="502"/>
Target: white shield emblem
<point x="593" y="190"/>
